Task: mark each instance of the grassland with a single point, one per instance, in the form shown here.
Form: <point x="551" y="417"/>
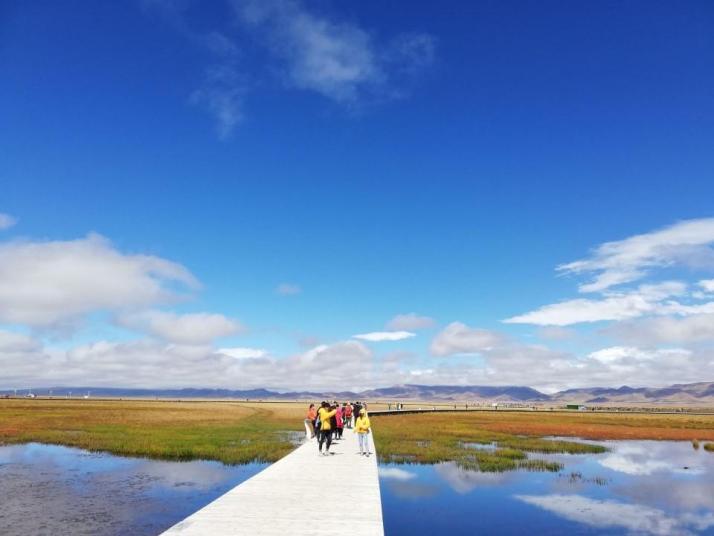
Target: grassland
<point x="240" y="432"/>
<point x="224" y="431"/>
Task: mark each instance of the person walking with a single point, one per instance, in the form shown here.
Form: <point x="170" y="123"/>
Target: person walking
<point x="348" y="414"/>
<point x="325" y="414"/>
<point x="339" y="418"/>
<point x="362" y="429"/>
<point x="356" y="410"/>
<point x="310" y="422"/>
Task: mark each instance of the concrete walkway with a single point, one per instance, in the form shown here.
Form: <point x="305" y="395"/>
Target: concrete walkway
<point x="301" y="494"/>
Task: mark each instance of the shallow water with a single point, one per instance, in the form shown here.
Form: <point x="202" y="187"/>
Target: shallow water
<point x="48" y="489"/>
<point x="638" y="487"/>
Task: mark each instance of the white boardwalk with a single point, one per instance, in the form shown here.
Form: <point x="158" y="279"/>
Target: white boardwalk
<point x="302" y="494"/>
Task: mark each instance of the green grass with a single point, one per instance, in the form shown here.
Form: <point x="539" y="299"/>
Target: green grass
<point x="430" y="439"/>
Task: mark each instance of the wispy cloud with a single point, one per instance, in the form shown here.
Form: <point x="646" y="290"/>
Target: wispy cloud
<point x="646" y="299"/>
<point x="380" y="336"/>
<point x="686" y="243"/>
<point x="288" y="289"/>
<point x="338" y="59"/>
<point x="310" y="50"/>
<point x="222" y="96"/>
<point x="614" y="265"/>
<point x="6" y="221"/>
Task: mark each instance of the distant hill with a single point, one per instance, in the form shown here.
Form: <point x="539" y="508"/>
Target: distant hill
<point x="689" y="393"/>
<point x="692" y="393"/>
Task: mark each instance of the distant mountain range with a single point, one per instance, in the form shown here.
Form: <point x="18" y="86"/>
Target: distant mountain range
<point x="692" y="393"/>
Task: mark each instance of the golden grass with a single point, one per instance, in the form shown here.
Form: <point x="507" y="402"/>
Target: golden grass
<point x="436" y="437"/>
<point x="241" y="432"/>
<point x="226" y="431"/>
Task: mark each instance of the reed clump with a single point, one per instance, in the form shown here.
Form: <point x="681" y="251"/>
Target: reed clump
<point x="709" y="447"/>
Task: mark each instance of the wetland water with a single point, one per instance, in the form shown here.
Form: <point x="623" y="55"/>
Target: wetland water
<point x="46" y="489"/>
<point x="637" y="487"/>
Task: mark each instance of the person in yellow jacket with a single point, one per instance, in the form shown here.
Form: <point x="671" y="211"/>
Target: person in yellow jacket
<point x="362" y="429"/>
<point x="325" y="435"/>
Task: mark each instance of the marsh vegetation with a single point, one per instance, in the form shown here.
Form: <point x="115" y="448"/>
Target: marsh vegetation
<point x="242" y="432"/>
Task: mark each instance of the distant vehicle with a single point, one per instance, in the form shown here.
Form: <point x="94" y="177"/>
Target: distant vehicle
<point x="30" y="395"/>
<point x="86" y="396"/>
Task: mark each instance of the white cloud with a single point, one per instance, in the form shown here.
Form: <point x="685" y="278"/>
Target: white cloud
<point x="190" y="329"/>
<point x="614" y="263"/>
<point x="337" y="59"/>
<point x="458" y="338"/>
<point x="379" y="336"/>
<point x="556" y="333"/>
<point x="288" y="289"/>
<point x="243" y="353"/>
<point x="395" y="473"/>
<point x="630" y="355"/>
<point x="11" y="342"/>
<point x="49" y="284"/>
<point x="6" y="221"/>
<point x="409" y="322"/>
<point x="707" y="285"/>
<point x="647" y="299"/>
<point x="603" y="514"/>
<point x="665" y="330"/>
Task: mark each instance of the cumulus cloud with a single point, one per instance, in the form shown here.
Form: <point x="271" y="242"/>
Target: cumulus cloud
<point x="156" y="364"/>
<point x="665" y="330"/>
<point x="379" y="336"/>
<point x="11" y="342"/>
<point x="6" y="221"/>
<point x="458" y="338"/>
<point x="409" y="322"/>
<point x="556" y="333"/>
<point x="707" y="285"/>
<point x="686" y="243"/>
<point x="49" y="284"/>
<point x="190" y="329"/>
<point x="288" y="289"/>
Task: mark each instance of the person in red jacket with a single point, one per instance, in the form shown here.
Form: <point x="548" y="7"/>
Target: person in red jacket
<point x="348" y="414"/>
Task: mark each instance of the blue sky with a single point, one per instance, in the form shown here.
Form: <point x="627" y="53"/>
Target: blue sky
<point x="435" y="160"/>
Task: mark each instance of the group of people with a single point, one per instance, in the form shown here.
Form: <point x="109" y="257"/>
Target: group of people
<point x="328" y="422"/>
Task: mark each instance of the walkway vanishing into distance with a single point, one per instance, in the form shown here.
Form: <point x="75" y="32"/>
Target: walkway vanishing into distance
<point x="285" y="499"/>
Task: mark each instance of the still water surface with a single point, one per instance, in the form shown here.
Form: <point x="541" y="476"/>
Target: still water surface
<point x="638" y="488"/>
<point x="47" y="489"/>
